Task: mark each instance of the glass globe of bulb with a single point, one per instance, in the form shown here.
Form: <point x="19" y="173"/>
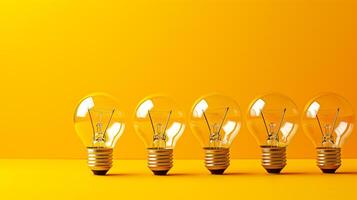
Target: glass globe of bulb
<point x="328" y="120"/>
<point x="99" y="123"/>
<point x="160" y="123"/>
<point x="216" y="120"/>
<point x="273" y="121"/>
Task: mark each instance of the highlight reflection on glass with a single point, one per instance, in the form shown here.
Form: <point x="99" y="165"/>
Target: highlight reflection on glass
<point x="99" y="123"/>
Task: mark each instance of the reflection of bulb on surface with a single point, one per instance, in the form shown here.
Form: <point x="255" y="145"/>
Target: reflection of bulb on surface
<point x="216" y="120"/>
<point x="160" y="123"/>
<point x="272" y="119"/>
<point x="328" y="120"/>
<point x="99" y="124"/>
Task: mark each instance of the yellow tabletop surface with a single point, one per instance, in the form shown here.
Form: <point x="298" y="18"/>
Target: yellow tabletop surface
<point x="188" y="179"/>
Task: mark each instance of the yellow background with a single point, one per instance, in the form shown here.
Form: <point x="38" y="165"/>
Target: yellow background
<point x="53" y="52"/>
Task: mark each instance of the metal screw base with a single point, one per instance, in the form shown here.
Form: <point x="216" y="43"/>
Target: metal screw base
<point x="328" y="159"/>
<point x="216" y="159"/>
<point x="160" y="160"/>
<point x="100" y="159"/>
<point x="273" y="158"/>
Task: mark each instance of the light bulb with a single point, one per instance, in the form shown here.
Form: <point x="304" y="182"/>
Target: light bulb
<point x="160" y="123"/>
<point x="99" y="124"/>
<point x="216" y="120"/>
<point x="272" y="119"/>
<point x="328" y="120"/>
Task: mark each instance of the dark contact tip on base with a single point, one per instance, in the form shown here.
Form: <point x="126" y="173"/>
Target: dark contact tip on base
<point x="100" y="172"/>
<point x="161" y="172"/>
<point x="274" y="171"/>
<point x="328" y="171"/>
<point x="217" y="171"/>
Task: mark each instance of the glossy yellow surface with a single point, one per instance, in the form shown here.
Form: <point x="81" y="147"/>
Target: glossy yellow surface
<point x="54" y="52"/>
<point x="245" y="179"/>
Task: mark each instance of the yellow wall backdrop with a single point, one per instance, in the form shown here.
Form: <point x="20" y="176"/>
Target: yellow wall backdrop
<point x="53" y="52"/>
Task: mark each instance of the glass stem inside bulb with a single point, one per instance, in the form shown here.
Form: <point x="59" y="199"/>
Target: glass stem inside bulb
<point x="98" y="132"/>
<point x="215" y="137"/>
<point x="99" y="135"/>
<point x="272" y="131"/>
<point x="159" y="138"/>
<point x="327" y="138"/>
<point x="273" y="137"/>
<point x="327" y="135"/>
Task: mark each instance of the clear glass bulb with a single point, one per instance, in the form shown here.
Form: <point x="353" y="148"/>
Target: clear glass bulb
<point x="273" y="120"/>
<point x="98" y="121"/>
<point x="328" y="120"/>
<point x="159" y="122"/>
<point x="215" y="120"/>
